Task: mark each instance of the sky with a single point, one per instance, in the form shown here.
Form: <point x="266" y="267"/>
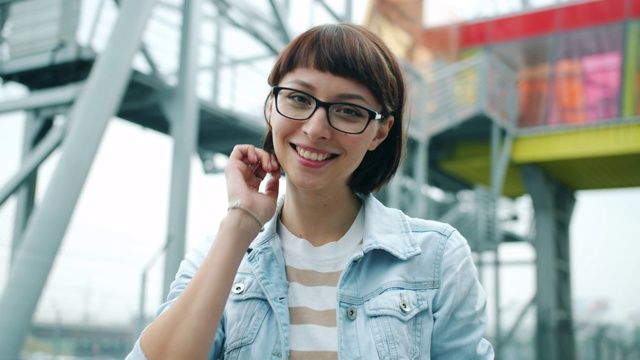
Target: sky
<point x="120" y="224"/>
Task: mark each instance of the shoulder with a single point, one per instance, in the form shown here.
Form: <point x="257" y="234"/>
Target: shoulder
<point x="407" y="237"/>
<point x="429" y="230"/>
<point x="442" y="242"/>
<point x="387" y="219"/>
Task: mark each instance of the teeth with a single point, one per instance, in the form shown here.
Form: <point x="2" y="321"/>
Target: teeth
<point x="311" y="155"/>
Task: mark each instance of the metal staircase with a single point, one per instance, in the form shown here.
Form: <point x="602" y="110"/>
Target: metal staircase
<point x="473" y="100"/>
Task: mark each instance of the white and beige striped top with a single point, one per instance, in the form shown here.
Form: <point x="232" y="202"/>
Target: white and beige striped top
<point x="313" y="274"/>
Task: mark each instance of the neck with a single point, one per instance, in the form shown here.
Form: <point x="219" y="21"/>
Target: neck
<point x="320" y="217"/>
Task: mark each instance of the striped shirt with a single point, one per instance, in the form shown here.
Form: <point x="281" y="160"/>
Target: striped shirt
<point x="313" y="274"/>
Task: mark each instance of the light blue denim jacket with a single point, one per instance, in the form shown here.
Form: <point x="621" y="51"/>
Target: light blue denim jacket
<point x="412" y="292"/>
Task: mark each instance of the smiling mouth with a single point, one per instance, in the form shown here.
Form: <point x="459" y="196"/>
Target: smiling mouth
<point x="313" y="156"/>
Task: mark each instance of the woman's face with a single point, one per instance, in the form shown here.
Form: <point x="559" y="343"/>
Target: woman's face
<point x="314" y="155"/>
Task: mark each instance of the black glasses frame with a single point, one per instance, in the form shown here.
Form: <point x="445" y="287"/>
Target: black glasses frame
<point x="373" y="115"/>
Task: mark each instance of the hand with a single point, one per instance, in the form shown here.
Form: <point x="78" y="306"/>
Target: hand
<point x="244" y="173"/>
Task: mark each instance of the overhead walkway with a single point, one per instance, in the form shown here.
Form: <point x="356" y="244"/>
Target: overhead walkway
<point x="49" y="72"/>
<point x="605" y="156"/>
<point x="602" y="155"/>
<point x="219" y="128"/>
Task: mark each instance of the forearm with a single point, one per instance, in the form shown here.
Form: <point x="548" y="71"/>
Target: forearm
<point x="188" y="328"/>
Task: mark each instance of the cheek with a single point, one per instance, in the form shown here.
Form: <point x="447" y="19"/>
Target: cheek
<point x="280" y="130"/>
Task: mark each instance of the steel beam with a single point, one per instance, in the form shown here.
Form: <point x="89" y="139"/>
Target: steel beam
<point x="516" y="324"/>
<point x="31" y="162"/>
<point x="421" y="176"/>
<point x="330" y="10"/>
<point x="61" y="95"/>
<point x="88" y="119"/>
<point x="553" y="206"/>
<point x="217" y="57"/>
<point x="182" y="109"/>
<point x="27" y="191"/>
<point x="281" y="25"/>
<point x="500" y="154"/>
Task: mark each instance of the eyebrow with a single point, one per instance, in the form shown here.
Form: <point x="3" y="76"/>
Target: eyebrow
<point x="342" y="97"/>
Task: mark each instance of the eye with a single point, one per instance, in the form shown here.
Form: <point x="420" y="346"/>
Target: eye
<point x="352" y="111"/>
<point x="299" y="98"/>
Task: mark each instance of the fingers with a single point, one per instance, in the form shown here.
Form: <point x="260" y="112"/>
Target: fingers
<point x="257" y="162"/>
<point x="252" y="156"/>
<point x="245" y="173"/>
<point x="272" y="187"/>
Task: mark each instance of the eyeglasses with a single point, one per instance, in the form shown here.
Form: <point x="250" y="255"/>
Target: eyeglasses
<point x="345" y="117"/>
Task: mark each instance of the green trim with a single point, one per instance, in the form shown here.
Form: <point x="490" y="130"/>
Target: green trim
<point x="630" y="68"/>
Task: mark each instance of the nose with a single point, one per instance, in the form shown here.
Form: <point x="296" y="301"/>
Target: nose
<point x="317" y="126"/>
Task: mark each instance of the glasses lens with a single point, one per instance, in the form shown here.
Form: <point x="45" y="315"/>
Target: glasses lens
<point x="295" y="105"/>
<point x="348" y="117"/>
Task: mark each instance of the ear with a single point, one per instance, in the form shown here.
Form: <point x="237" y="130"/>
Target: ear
<point x="268" y="108"/>
<point x="381" y="134"/>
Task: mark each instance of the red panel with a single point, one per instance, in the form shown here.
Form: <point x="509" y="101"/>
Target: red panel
<point x="473" y="34"/>
<point x="545" y="22"/>
<point x="591" y="14"/>
<point x="508" y="28"/>
<point x="635" y="8"/>
<point x="534" y="24"/>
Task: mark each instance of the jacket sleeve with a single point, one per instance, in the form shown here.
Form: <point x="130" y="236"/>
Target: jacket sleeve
<point x="459" y="308"/>
<point x="186" y="271"/>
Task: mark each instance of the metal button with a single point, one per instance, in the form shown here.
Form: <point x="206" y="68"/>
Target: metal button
<point x="237" y="288"/>
<point x="352" y="313"/>
<point x="404" y="306"/>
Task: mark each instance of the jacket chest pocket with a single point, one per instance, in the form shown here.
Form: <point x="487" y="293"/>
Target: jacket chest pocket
<point x="247" y="317"/>
<point x="399" y="321"/>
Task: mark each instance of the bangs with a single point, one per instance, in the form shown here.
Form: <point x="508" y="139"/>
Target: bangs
<point x="340" y="51"/>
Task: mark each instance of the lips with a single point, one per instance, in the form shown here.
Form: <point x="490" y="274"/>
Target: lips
<point x="313" y="155"/>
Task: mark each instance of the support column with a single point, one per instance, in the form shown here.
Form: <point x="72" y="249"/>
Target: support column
<point x="26" y="193"/>
<point x="182" y="110"/>
<point x="421" y="177"/>
<point x="88" y="119"/>
<point x="553" y="206"/>
<point x="501" y="142"/>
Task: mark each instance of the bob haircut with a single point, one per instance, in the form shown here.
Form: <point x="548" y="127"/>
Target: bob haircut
<point x="353" y="52"/>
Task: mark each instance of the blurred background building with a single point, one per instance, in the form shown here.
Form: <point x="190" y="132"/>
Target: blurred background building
<point x="516" y="107"/>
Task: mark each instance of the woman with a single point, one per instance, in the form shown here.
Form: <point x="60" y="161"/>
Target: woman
<point x="333" y="273"/>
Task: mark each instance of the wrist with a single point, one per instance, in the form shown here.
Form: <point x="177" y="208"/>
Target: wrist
<point x="238" y="206"/>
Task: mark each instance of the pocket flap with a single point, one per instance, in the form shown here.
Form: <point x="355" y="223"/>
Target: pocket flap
<point x="399" y="303"/>
<point x="246" y="286"/>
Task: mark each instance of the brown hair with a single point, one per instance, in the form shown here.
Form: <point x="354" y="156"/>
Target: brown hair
<point x="353" y="52"/>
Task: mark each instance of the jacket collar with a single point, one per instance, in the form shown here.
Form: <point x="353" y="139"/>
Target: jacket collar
<point x="387" y="229"/>
<point x="384" y="228"/>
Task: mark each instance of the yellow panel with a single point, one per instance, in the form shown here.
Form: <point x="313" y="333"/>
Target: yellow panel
<point x="470" y="162"/>
<point x="597" y="173"/>
<point x="619" y="139"/>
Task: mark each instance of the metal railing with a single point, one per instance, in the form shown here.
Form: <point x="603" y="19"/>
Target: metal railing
<point x="451" y="94"/>
<point x="231" y="76"/>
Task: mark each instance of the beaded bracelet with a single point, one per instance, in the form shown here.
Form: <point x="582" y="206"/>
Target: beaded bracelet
<point x="237" y="205"/>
